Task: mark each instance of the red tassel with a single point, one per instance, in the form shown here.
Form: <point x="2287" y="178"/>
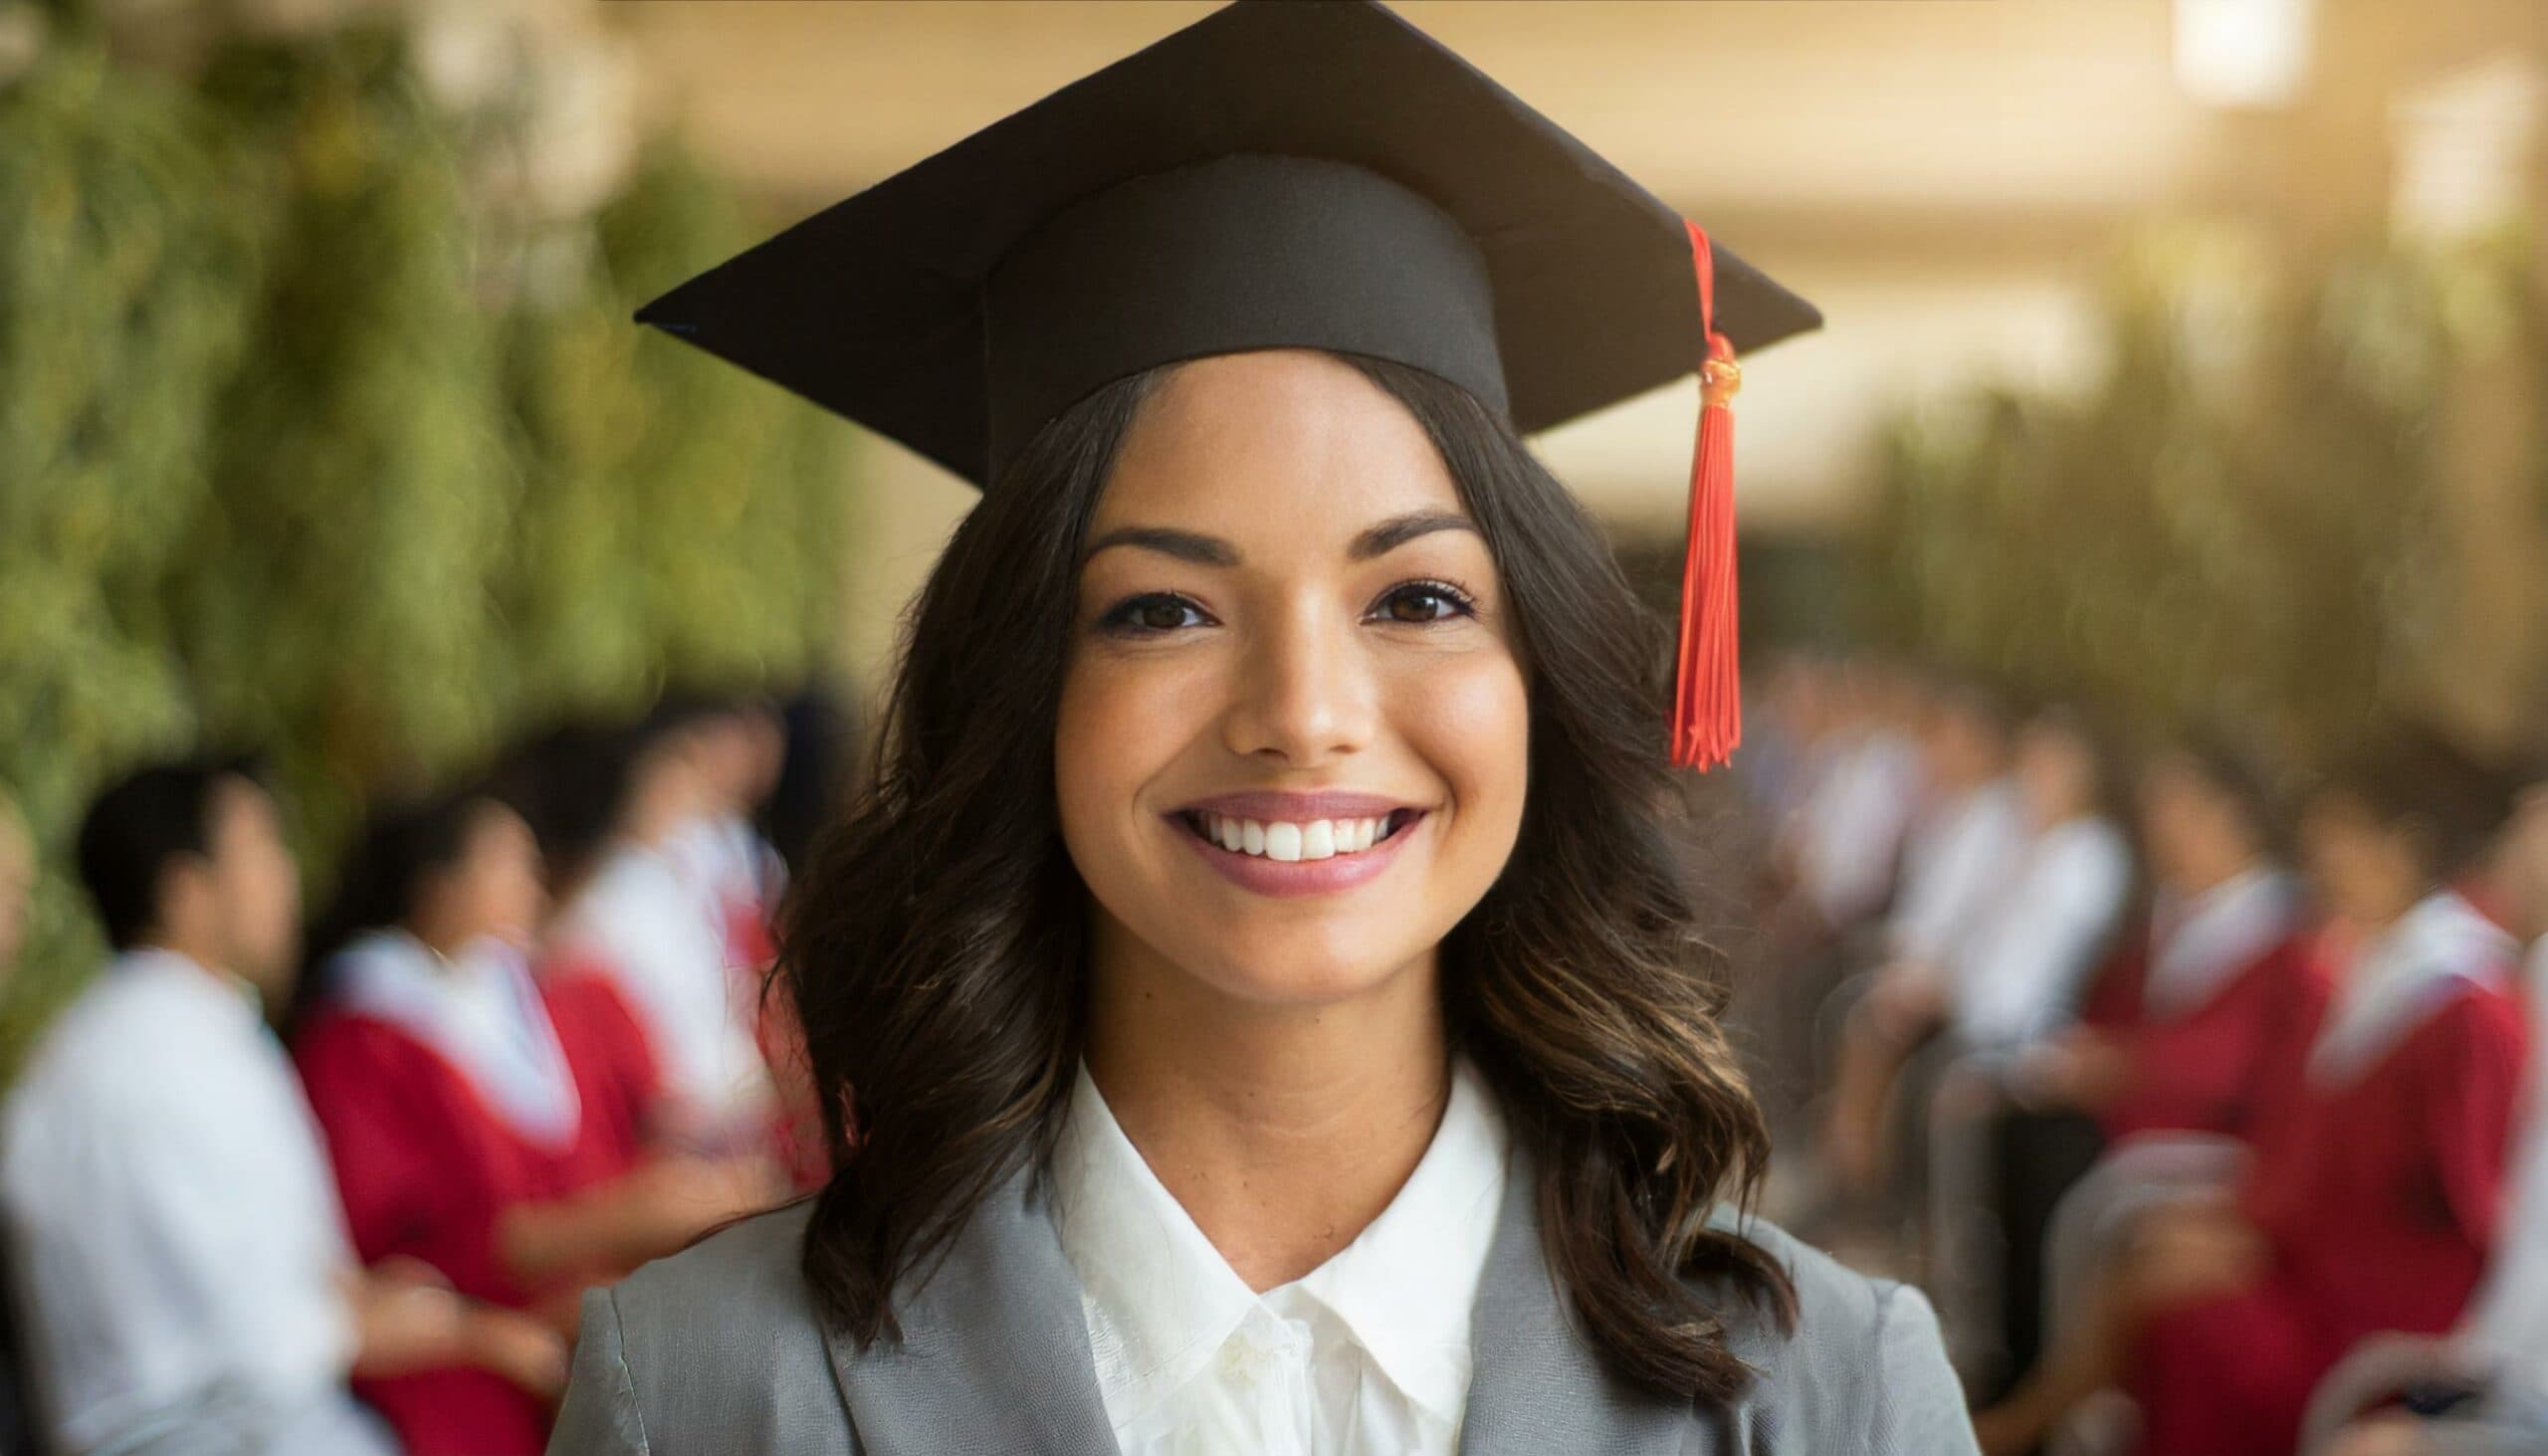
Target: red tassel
<point x="1707" y="692"/>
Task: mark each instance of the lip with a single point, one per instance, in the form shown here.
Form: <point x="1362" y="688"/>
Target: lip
<point x="1297" y="878"/>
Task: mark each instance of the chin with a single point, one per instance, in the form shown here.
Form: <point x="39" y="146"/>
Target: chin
<point x="1295" y="971"/>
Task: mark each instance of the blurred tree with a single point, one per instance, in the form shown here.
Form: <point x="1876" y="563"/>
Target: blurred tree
<point x="2236" y="524"/>
<point x="307" y="445"/>
<point x="124" y="271"/>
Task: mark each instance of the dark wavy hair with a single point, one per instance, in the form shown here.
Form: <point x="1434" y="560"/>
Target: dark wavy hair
<point x="934" y="948"/>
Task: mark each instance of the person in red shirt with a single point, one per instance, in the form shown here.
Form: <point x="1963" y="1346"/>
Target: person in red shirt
<point x="476" y="1124"/>
<point x="2201" y="1022"/>
<point x="2371" y="1199"/>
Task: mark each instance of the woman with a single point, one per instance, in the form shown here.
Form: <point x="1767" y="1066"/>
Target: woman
<point x="2225" y="1312"/>
<point x="473" y="1127"/>
<point x="2205" y="1018"/>
<point x="1275" y="1018"/>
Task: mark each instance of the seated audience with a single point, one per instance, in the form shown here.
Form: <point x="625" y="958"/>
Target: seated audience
<point x="2371" y="1201"/>
<point x="184" y="1263"/>
<point x="472" y="1128"/>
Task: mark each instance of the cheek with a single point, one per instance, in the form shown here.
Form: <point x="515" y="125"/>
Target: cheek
<point x="1119" y="724"/>
<point x="1469" y="720"/>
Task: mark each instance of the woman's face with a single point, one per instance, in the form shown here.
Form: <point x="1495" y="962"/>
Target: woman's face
<point x="1293" y="730"/>
<point x="2369" y="873"/>
<point x="493" y="889"/>
<point x="2191" y="829"/>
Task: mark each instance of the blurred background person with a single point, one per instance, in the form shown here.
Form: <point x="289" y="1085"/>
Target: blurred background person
<point x="651" y="921"/>
<point x="184" y="1255"/>
<point x="17" y="896"/>
<point x="738" y="746"/>
<point x="2019" y="979"/>
<point x="2483" y="1389"/>
<point x="2193" y="1033"/>
<point x="471" y="1129"/>
<point x="1969" y="840"/>
<point x="2375" y="1202"/>
<point x="2015" y="984"/>
<point x="1844" y="803"/>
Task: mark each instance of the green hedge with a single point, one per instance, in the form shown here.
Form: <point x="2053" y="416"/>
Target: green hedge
<point x="2238" y="524"/>
<point x="306" y="447"/>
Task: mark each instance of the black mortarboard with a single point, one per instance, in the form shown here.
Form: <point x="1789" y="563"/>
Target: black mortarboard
<point x="1313" y="173"/>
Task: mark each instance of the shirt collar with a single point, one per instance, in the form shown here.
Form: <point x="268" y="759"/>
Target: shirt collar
<point x="1164" y="1301"/>
<point x="2436" y="950"/>
<point x="1407" y="1287"/>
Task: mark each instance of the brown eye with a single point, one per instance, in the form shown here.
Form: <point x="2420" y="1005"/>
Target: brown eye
<point x="1155" y="612"/>
<point x="1422" y="601"/>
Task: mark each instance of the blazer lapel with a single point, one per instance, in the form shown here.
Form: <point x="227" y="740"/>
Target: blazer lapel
<point x="994" y="1351"/>
<point x="1537" y="1385"/>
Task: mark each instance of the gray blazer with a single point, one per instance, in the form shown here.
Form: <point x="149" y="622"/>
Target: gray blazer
<point x="717" y="1349"/>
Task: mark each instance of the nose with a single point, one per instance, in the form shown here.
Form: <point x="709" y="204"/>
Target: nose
<point x="1304" y="692"/>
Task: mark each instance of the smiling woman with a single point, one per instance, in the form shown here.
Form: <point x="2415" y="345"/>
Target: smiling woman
<point x="1258" y="1002"/>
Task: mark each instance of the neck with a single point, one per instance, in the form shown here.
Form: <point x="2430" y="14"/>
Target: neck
<point x="442" y="939"/>
<point x="196" y="952"/>
<point x="203" y="959"/>
<point x="1283" y="1131"/>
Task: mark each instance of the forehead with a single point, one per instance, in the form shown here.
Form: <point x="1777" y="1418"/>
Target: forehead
<point x="1273" y="441"/>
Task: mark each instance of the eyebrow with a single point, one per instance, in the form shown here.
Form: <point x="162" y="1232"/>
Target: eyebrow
<point x="1377" y="539"/>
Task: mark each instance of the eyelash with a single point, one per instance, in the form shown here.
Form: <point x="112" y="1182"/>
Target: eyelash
<point x="1119" y="620"/>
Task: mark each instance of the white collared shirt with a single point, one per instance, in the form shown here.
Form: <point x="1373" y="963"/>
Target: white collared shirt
<point x="2018" y="972"/>
<point x="653" y="932"/>
<point x="175" y="1224"/>
<point x="1367" y="1353"/>
<point x="1954" y="864"/>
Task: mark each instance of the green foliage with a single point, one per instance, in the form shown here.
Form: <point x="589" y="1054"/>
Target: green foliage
<point x="121" y="273"/>
<point x="2237" y="525"/>
<point x="301" y="448"/>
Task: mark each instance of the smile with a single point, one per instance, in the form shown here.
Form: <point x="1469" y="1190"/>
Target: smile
<point x="1290" y="842"/>
<point x="1295" y="843"/>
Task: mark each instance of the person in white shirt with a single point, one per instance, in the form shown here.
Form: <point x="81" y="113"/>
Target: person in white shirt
<point x="1849" y="833"/>
<point x="17" y="899"/>
<point x="2017" y="974"/>
<point x="1957" y="860"/>
<point x="652" y="918"/>
<point x="183" y="1261"/>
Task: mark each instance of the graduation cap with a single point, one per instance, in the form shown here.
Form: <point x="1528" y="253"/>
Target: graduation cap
<point x="1282" y="173"/>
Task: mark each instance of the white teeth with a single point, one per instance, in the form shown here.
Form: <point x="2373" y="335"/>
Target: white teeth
<point x="1312" y="839"/>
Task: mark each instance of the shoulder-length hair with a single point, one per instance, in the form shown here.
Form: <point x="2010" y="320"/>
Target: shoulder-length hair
<point x="934" y="948"/>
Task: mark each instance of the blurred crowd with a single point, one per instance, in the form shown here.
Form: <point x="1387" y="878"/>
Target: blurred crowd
<point x="2201" y="1094"/>
<point x="336" y="1183"/>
